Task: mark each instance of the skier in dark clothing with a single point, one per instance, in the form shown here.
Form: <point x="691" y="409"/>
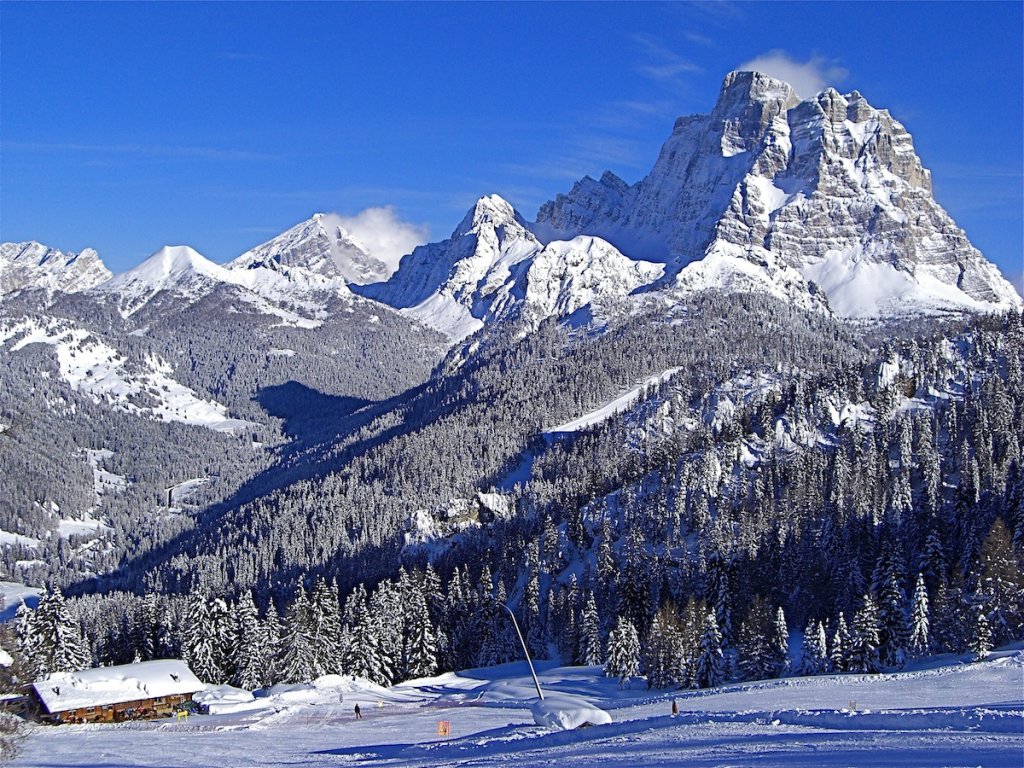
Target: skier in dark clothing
<point x="359" y="715"/>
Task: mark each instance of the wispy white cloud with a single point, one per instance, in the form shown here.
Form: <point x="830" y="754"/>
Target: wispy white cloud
<point x="240" y="56"/>
<point x="156" y="150"/>
<point x="662" y="63"/>
<point x="807" y="77"/>
<point x="716" y="11"/>
<point x="698" y="39"/>
<point x="383" y="234"/>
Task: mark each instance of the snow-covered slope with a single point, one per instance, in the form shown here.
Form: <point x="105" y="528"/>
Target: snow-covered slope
<point x="780" y="192"/>
<point x="298" y="296"/>
<point x="175" y="268"/>
<point x="453" y="285"/>
<point x="493" y="268"/>
<point x="320" y="245"/>
<point x="33" y="265"/>
<point x="91" y="366"/>
<point x="585" y="272"/>
<point x="961" y="714"/>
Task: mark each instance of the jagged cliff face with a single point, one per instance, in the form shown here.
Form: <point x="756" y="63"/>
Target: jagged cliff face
<point x="33" y="265"/>
<point x="829" y="189"/>
<point x="320" y="245"/>
<point x="494" y="269"/>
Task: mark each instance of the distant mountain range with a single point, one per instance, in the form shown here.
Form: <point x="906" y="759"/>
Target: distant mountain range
<point x="308" y="352"/>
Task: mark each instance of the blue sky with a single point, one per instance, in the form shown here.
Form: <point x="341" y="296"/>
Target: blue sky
<point x="127" y="126"/>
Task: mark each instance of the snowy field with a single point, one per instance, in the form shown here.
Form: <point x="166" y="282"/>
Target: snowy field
<point x="950" y="715"/>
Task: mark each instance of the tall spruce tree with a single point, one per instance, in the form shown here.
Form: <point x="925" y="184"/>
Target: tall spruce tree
<point x="663" y="651"/>
<point x="710" y="669"/>
<point x="590" y="652"/>
<point x="919" y="621"/>
<point x="864" y="653"/>
<point x="814" y="659"/>
<point x="250" y="647"/>
<point x="623" y="652"/>
<point x="199" y="640"/>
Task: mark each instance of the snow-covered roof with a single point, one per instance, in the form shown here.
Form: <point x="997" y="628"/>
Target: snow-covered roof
<point x="61" y="691"/>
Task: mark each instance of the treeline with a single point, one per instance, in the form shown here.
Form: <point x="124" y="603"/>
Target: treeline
<point x="419" y="624"/>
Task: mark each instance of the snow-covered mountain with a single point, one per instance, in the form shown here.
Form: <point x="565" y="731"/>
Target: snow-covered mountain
<point x="456" y="283"/>
<point x="33" y="265"/>
<point x="297" y="295"/>
<point x="770" y="190"/>
<point x="178" y="269"/>
<point x="320" y="245"/>
<point x="493" y="268"/>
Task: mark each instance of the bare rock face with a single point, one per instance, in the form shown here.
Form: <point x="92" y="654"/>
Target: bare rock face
<point x="320" y="245"/>
<point x="493" y="269"/>
<point x="33" y="265"/>
<point x="829" y="188"/>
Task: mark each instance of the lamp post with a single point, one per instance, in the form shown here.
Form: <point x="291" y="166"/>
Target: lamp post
<point x="529" y="661"/>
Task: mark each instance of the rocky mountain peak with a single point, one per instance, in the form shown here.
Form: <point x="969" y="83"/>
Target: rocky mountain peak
<point x="490" y="211"/>
<point x="828" y="188"/>
<point x="321" y="245"/>
<point x="34" y="265"/>
<point x="742" y="89"/>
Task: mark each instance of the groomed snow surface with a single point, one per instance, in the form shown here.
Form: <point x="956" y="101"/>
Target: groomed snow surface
<point x="951" y="714"/>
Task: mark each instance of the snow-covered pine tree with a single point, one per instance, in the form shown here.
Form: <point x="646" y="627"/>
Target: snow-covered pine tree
<point x="981" y="639"/>
<point x="366" y="657"/>
<point x="422" y="646"/>
<point x="222" y="630"/>
<point x="864" y="647"/>
<point x="1002" y="584"/>
<point x="951" y="623"/>
<point x="297" y="659"/>
<point x="567" y="631"/>
<point x="500" y="645"/>
<point x="250" y="657"/>
<point x="590" y="634"/>
<point x="691" y="627"/>
<point x="778" y="644"/>
<point x="199" y="640"/>
<point x="325" y="628"/>
<point x="29" y="645"/>
<point x="756" y="660"/>
<point x="663" y="652"/>
<point x="919" y="623"/>
<point x="815" y="655"/>
<point x="60" y="635"/>
<point x="271" y="634"/>
<point x="387" y="615"/>
<point x="634" y="583"/>
<point x="149" y="627"/>
<point x="710" y="663"/>
<point x="623" y="652"/>
<point x="606" y="572"/>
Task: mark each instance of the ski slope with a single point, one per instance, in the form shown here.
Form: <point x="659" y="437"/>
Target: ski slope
<point x="951" y="715"/>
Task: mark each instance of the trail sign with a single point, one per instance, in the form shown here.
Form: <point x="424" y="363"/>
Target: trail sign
<point x="444" y="728"/>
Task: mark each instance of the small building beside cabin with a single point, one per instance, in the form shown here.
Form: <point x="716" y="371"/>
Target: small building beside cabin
<point x="139" y="691"/>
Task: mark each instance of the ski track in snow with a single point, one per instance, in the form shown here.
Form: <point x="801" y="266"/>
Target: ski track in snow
<point x="618" y="405"/>
<point x="953" y="715"/>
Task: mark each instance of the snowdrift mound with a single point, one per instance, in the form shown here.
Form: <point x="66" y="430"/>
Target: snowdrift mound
<point x="565" y="712"/>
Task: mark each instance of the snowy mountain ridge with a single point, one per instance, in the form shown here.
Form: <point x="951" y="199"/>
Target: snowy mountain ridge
<point x="34" y="265"/>
<point x="297" y="296"/>
<point x="493" y="269"/>
<point x="821" y="202"/>
<point x="827" y="190"/>
<point x="320" y="245"/>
